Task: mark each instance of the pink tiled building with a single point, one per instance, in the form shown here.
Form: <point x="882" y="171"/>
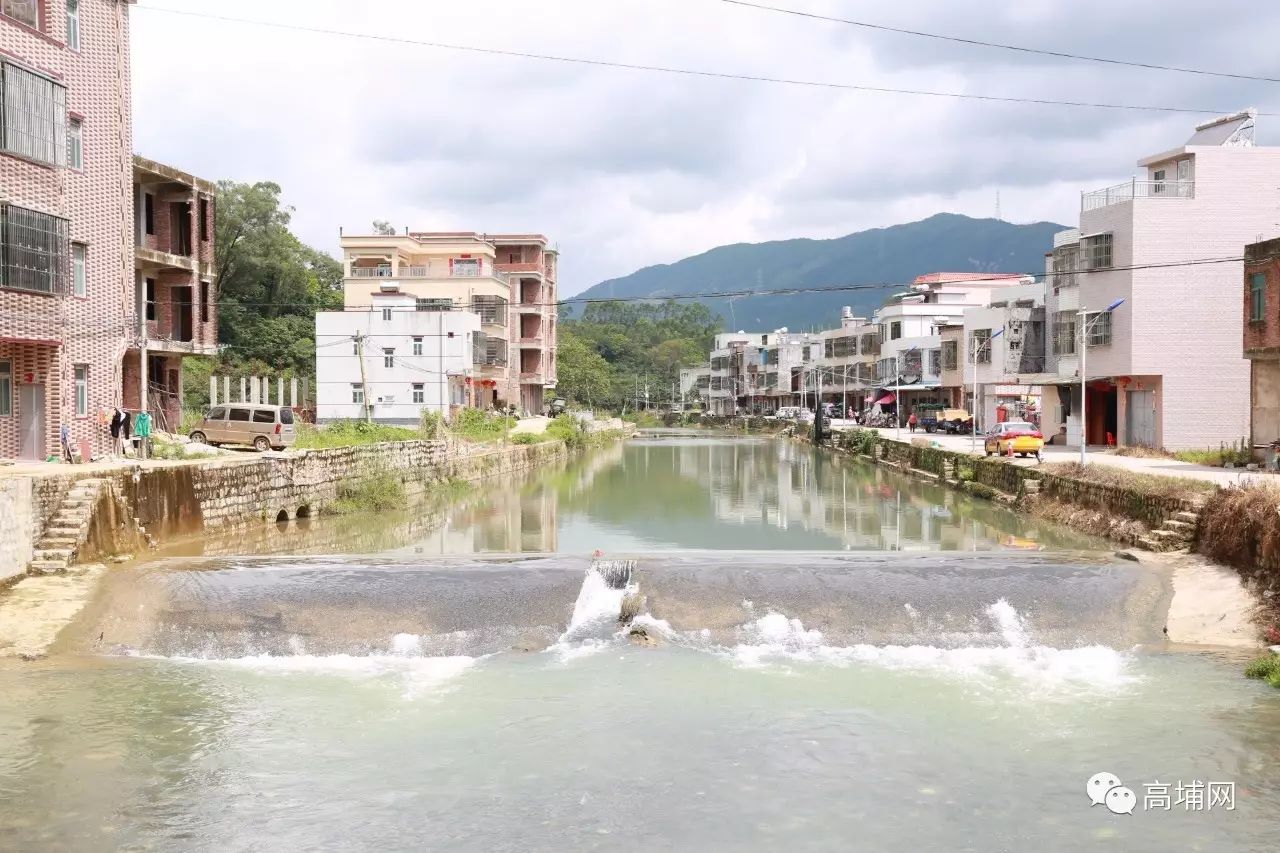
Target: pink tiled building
<point x="70" y="290"/>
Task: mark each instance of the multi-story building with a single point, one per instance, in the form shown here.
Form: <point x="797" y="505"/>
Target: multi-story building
<point x="727" y="367"/>
<point x="695" y="387"/>
<point x="392" y="362"/>
<point x="1262" y="341"/>
<point x="509" y="281"/>
<point x="1165" y="368"/>
<point x="1005" y="353"/>
<point x="836" y="367"/>
<point x="66" y="248"/>
<point x="909" y="367"/>
<point x="175" y="296"/>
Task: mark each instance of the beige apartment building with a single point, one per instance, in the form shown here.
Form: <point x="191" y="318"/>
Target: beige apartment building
<point x="508" y="280"/>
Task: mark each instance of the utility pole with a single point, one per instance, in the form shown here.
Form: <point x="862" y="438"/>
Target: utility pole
<point x="364" y="384"/>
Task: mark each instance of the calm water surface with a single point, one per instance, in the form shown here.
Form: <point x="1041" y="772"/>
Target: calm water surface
<point x="947" y="677"/>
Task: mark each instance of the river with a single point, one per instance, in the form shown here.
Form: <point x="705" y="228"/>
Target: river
<point x="842" y="659"/>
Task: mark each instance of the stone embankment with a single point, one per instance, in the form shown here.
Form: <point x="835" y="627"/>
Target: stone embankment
<point x="50" y="522"/>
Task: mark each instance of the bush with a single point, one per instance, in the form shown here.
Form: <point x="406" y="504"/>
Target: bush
<point x="643" y="419"/>
<point x="432" y="426"/>
<point x="1240" y="526"/>
<point x="1237" y="453"/>
<point x="349" y="434"/>
<point x="475" y="425"/>
<point x="568" y="429"/>
<point x="381" y="491"/>
<point x="1265" y="669"/>
<point x="524" y="438"/>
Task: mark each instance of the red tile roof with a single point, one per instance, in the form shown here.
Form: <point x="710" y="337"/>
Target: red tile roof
<point x="949" y="277"/>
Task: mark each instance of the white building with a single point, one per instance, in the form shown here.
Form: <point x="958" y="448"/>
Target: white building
<point x="1165" y="369"/>
<point x="413" y="361"/>
<point x="1009" y="334"/>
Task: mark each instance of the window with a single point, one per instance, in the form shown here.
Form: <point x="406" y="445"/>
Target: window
<point x="388" y="358"/>
<point x="1065" y="260"/>
<point x="1258" y="297"/>
<point x="34" y="119"/>
<point x="204" y="301"/>
<point x="1097" y="251"/>
<point x="24" y="11"/>
<point x="1098" y="328"/>
<point x="465" y="267"/>
<point x="151" y="299"/>
<point x="149" y="212"/>
<point x="286" y="416"/>
<point x="386" y="315"/>
<point x="1064" y="333"/>
<point x="82" y="390"/>
<point x="951" y="355"/>
<point x="434" y="304"/>
<point x="417" y="346"/>
<point x="239" y="415"/>
<point x="75" y="144"/>
<point x="357" y="393"/>
<point x="217" y="413"/>
<point x="6" y="388"/>
<point x="895" y="331"/>
<point x="935" y="362"/>
<point x="1184" y="170"/>
<point x="981" y="339"/>
<point x="1157" y="181"/>
<point x="34" y="248"/>
<point x="264" y="416"/>
<point x="419" y="393"/>
<point x="202" y="223"/>
<point x="79" y="280"/>
<point x="492" y="310"/>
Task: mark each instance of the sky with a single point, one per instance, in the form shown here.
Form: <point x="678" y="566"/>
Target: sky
<point x="622" y="169"/>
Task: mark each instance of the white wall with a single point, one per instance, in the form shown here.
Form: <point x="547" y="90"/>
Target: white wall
<point x="338" y="368"/>
<point x="17" y="527"/>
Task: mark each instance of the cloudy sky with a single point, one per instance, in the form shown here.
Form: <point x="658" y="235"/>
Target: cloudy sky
<point x="627" y="168"/>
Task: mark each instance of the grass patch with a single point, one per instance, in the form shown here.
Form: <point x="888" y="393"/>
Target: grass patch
<point x="525" y="438"/>
<point x="1265" y="669"/>
<point x="1179" y="488"/>
<point x="1237" y="453"/>
<point x="350" y="434"/>
<point x="1139" y="452"/>
<point x="568" y="429"/>
<point x="380" y="491"/>
<point x="643" y="419"/>
<point x="480" y="427"/>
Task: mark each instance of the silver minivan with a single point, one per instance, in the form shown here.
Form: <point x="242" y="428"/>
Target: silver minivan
<point x="263" y="427"/>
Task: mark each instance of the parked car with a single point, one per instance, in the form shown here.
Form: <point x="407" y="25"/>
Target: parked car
<point x="1013" y="437"/>
<point x="955" y="421"/>
<point x="261" y="427"/>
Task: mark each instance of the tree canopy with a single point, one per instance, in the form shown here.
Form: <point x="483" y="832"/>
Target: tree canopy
<point x="615" y="348"/>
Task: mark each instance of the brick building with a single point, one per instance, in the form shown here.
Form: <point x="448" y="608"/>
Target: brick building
<point x="65" y="243"/>
<point x="173" y="287"/>
<point x="1262" y="339"/>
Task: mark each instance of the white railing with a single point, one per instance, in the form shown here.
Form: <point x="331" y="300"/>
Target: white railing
<point x="1136" y="189"/>
<point x="432" y="270"/>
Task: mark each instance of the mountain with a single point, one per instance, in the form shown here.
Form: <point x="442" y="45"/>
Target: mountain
<point x="891" y="257"/>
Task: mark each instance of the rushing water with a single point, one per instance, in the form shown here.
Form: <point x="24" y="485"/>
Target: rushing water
<point x="844" y="660"/>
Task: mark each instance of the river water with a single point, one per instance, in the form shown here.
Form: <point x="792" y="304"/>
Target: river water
<point x="844" y="660"/>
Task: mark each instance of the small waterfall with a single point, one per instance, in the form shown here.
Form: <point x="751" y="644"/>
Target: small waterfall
<point x="598" y="610"/>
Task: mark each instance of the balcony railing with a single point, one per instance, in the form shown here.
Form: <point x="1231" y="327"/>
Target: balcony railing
<point x="1130" y="190"/>
<point x="432" y="270"/>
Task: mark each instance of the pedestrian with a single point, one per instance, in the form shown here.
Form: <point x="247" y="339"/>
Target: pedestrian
<point x="911" y="421"/>
<point x="117" y="425"/>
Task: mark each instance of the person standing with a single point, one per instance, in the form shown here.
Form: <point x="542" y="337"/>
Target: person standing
<point x="117" y="427"/>
<point x="911" y="421"/>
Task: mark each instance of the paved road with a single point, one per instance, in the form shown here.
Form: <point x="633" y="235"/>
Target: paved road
<point x="1162" y="467"/>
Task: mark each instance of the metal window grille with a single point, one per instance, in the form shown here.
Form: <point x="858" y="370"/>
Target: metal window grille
<point x="980" y="340"/>
<point x="495" y="351"/>
<point x="433" y="304"/>
<point x="492" y="310"/>
<point x="1099" y="326"/>
<point x="479" y="347"/>
<point x="951" y="355"/>
<point x="935" y="362"/>
<point x="35" y="250"/>
<point x="34" y="112"/>
<point x="1097" y="251"/>
<point x="1065" y="263"/>
<point x="1064" y="333"/>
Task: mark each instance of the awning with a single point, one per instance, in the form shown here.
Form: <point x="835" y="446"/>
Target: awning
<point x="886" y="400"/>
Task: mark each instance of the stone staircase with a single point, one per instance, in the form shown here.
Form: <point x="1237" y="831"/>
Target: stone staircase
<point x="1175" y="534"/>
<point x="67" y="530"/>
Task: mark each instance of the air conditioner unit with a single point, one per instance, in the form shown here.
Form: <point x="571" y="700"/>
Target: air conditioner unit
<point x="388" y="287"/>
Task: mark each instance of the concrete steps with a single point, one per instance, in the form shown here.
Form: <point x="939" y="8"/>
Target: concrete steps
<point x="1176" y="534"/>
<point x="67" y="529"/>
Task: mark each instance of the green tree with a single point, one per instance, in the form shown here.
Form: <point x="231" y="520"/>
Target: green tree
<point x="584" y="376"/>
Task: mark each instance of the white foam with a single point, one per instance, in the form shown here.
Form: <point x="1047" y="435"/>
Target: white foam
<point x="597" y="603"/>
<point x="774" y="638"/>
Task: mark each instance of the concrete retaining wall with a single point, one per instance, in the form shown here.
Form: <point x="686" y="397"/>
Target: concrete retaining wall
<point x="17" y="528"/>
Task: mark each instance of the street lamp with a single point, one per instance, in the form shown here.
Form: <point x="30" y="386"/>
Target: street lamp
<point x="1084" y="357"/>
<point x="973" y="416"/>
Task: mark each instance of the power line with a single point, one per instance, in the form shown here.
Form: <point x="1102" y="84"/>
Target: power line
<point x="739" y="294"/>
<point x="997" y="45"/>
<point x="688" y="72"/>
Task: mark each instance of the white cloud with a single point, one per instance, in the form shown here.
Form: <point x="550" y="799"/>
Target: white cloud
<point x="627" y="168"/>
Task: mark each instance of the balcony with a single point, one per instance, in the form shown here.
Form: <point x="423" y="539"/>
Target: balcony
<point x="524" y="268"/>
<point x="1130" y="190"/>
<point x="529" y="378"/>
<point x="531" y="342"/>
